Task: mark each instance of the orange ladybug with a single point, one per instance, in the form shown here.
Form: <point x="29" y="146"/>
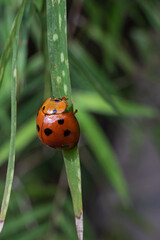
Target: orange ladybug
<point x="55" y="127"/>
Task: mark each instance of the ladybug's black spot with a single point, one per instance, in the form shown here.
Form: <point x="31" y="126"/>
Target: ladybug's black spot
<point x="64" y="146"/>
<point x="43" y="108"/>
<point x="67" y="133"/>
<point x="54" y="111"/>
<point x="47" y="131"/>
<point x="38" y="128"/>
<point x="57" y="100"/>
<point x="53" y="147"/>
<point x="61" y="121"/>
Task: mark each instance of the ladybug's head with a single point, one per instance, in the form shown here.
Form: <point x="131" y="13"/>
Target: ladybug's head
<point x="54" y="105"/>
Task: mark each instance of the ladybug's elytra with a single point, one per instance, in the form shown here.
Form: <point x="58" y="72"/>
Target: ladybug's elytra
<point x="55" y="127"/>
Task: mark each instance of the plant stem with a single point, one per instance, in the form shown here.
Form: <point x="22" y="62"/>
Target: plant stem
<point x="60" y="79"/>
<point x="57" y="47"/>
<point x="11" y="161"/>
<point x="13" y="40"/>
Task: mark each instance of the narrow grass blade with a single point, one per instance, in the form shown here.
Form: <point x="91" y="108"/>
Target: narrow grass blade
<point x="151" y="10"/>
<point x="57" y="47"/>
<point x="113" y="48"/>
<point x="72" y="163"/>
<point x="104" y="154"/>
<point x="39" y="4"/>
<point x="92" y="101"/>
<point x="85" y="64"/>
<point x="60" y="79"/>
<point x="9" y="44"/>
<point x="13" y="39"/>
<point x="11" y="161"/>
<point x="22" y="52"/>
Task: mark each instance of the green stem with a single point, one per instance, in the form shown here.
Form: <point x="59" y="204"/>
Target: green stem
<point x="60" y="79"/>
<point x="11" y="162"/>
<point x="57" y="46"/>
<point x="14" y="39"/>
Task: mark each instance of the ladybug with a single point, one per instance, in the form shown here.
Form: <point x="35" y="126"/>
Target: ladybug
<point x="56" y="127"/>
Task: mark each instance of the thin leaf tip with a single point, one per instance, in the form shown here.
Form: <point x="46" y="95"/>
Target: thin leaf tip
<point x="79" y="226"/>
<point x="1" y="225"/>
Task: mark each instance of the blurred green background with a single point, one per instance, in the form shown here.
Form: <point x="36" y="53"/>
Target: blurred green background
<point x="114" y="64"/>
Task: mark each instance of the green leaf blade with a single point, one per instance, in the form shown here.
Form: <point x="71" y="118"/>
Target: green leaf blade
<point x="72" y="164"/>
<point x="57" y="48"/>
<point x="14" y="39"/>
<point x="9" y="44"/>
<point x="104" y="154"/>
<point x="60" y="79"/>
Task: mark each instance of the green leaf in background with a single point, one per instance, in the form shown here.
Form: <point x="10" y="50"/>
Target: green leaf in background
<point x="151" y="10"/>
<point x="9" y="44"/>
<point x="39" y="4"/>
<point x="93" y="102"/>
<point x="104" y="154"/>
<point x="34" y="233"/>
<point x="22" y="51"/>
<point x="15" y="225"/>
<point x="86" y="66"/>
<point x="11" y="161"/>
<point x="24" y="136"/>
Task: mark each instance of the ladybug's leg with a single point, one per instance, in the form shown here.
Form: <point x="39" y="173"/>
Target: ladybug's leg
<point x="64" y="98"/>
<point x="75" y="111"/>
